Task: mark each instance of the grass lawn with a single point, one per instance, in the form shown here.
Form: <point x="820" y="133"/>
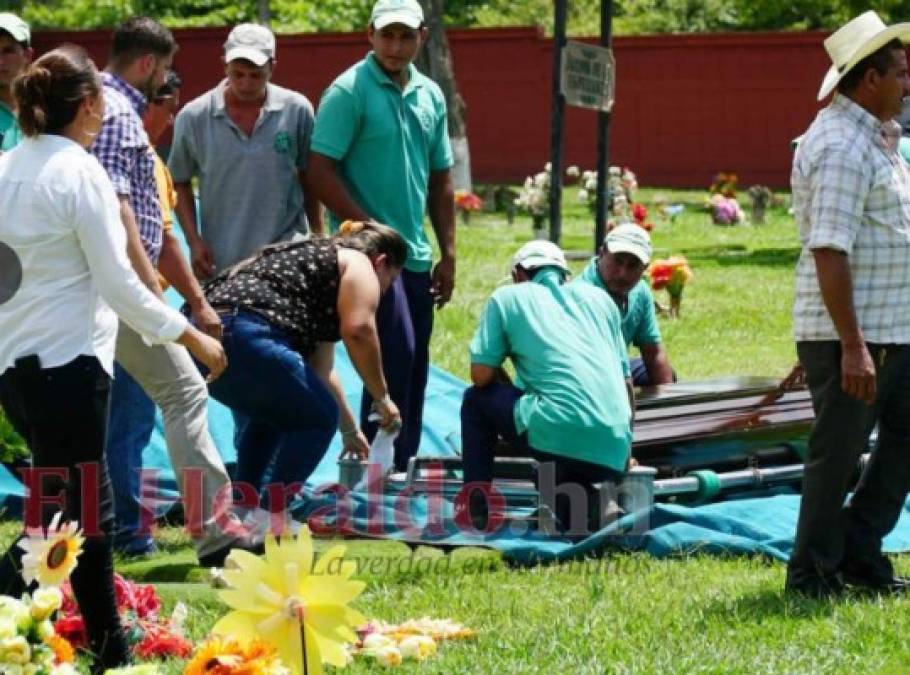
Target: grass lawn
<point x="623" y="613"/>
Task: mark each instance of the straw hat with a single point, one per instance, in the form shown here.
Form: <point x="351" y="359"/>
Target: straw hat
<point x="853" y="42"/>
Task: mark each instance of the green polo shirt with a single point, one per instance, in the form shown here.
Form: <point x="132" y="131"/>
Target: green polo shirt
<point x="567" y="348"/>
<point x="386" y="141"/>
<point x="639" y="322"/>
<point x="10" y="133"/>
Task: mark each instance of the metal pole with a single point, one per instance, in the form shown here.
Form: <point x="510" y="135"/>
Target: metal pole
<point x="603" y="136"/>
<point x="559" y="104"/>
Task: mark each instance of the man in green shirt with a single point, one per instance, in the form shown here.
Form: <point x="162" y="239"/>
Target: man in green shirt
<point x="380" y="151"/>
<point x="15" y="54"/>
<point x="574" y="410"/>
<point x="618" y="269"/>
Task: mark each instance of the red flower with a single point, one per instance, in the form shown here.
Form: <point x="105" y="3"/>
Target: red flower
<point x="126" y="598"/>
<point x="159" y="642"/>
<point x="72" y="628"/>
<point x="639" y="213"/>
<point x="147" y="604"/>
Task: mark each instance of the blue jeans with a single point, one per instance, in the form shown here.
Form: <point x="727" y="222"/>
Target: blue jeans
<point x="131" y="421"/>
<point x="286" y="414"/>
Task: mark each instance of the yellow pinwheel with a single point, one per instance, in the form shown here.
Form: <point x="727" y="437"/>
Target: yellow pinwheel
<point x="286" y="600"/>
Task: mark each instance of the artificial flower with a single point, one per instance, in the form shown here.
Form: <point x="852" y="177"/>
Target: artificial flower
<point x="418" y="647"/>
<point x="466" y="200"/>
<point x="159" y="642"/>
<point x="45" y="601"/>
<point x="142" y="669"/>
<point x="376" y="641"/>
<point x="229" y="656"/>
<point x="303" y="613"/>
<point x="50" y="558"/>
<point x="15" y="650"/>
<point x="63" y="650"/>
<point x="389" y="656"/>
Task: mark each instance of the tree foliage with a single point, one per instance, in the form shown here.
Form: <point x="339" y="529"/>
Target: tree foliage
<point x="631" y="17"/>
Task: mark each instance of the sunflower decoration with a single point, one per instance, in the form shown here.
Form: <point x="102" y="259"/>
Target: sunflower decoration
<point x="299" y="607"/>
<point x="229" y="656"/>
<point x="51" y="557"/>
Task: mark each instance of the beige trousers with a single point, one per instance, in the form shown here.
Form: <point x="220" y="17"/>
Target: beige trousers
<point x="169" y="377"/>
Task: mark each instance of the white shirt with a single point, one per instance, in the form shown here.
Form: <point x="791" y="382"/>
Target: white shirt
<point x="60" y="218"/>
<point x="851" y="193"/>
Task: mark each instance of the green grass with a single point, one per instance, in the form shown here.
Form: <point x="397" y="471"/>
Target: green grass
<point x="735" y="312"/>
<point x="626" y="613"/>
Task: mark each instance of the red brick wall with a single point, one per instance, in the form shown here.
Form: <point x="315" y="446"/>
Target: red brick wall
<point x="687" y="105"/>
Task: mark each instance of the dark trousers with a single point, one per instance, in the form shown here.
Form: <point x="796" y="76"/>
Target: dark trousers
<point x="62" y="414"/>
<point x="831" y="536"/>
<point x="487" y="414"/>
<point x="640" y="375"/>
<point x="405" y="322"/>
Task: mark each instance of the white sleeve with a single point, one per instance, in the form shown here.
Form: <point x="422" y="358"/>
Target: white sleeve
<point x="96" y="219"/>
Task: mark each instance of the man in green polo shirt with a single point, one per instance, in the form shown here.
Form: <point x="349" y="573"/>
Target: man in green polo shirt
<point x="381" y="151"/>
<point x="15" y="54"/>
<point x="574" y="409"/>
<point x="618" y="270"/>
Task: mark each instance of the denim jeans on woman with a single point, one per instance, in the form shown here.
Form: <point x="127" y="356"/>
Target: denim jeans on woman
<point x="286" y="415"/>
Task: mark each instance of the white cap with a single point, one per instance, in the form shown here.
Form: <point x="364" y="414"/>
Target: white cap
<point x="16" y="27"/>
<point x="856" y="40"/>
<point x="387" y="12"/>
<point x="539" y="253"/>
<point x="251" y="42"/>
<point x="630" y="238"/>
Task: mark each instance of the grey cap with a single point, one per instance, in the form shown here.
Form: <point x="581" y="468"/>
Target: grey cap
<point x="251" y="42"/>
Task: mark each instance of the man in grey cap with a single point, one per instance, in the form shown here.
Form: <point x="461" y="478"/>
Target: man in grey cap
<point x="15" y="54"/>
<point x="618" y="270"/>
<point x="247" y="140"/>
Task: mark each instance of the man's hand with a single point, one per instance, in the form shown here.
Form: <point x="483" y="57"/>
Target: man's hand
<point x="207" y="319"/>
<point x="858" y="373"/>
<point x="443" y="282"/>
<point x="202" y="259"/>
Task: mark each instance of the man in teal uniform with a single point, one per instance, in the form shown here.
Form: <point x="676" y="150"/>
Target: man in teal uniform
<point x="618" y="269"/>
<point x="381" y="151"/>
<point x="15" y="54"/>
<point x="574" y="410"/>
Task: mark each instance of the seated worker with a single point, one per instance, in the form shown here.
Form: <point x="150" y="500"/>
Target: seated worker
<point x="617" y="269"/>
<point x="574" y="409"/>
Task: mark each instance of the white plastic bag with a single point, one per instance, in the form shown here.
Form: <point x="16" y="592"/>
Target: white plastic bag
<point x="382" y="452"/>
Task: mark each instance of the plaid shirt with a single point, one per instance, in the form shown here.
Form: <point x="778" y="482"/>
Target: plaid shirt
<point x="851" y="193"/>
<point x="122" y="147"/>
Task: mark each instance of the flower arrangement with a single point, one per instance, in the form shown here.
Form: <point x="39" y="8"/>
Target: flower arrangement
<point x="149" y="634"/>
<point x="534" y="196"/>
<point x="295" y="603"/>
<point x="28" y="641"/>
<point x="725" y="210"/>
<point x="465" y="202"/>
<point x="671" y="274"/>
<point x="416" y="639"/>
<point x="761" y="197"/>
<point x="621" y="187"/>
<point x="230" y="656"/>
<point x="724" y="184"/>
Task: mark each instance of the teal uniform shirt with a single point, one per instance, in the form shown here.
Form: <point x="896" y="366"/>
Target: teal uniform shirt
<point x="10" y="133"/>
<point x="386" y="142"/>
<point x="639" y="322"/>
<point x="567" y="348"/>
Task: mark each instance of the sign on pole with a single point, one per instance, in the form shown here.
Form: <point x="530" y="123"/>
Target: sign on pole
<point x="588" y="76"/>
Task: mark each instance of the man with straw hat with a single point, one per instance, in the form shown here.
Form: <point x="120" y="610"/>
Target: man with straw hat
<point x="851" y="316"/>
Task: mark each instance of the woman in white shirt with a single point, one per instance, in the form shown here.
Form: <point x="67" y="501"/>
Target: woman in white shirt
<point x="64" y="278"/>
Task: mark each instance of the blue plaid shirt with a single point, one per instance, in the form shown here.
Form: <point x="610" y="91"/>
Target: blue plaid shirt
<point x="122" y="147"/>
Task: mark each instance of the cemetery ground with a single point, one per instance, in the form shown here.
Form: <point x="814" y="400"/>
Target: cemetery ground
<point x="624" y="613"/>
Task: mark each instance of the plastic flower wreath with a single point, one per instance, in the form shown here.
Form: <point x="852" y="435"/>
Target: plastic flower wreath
<point x="671" y="274"/>
<point x="286" y="600"/>
<point x="51" y="558"/>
